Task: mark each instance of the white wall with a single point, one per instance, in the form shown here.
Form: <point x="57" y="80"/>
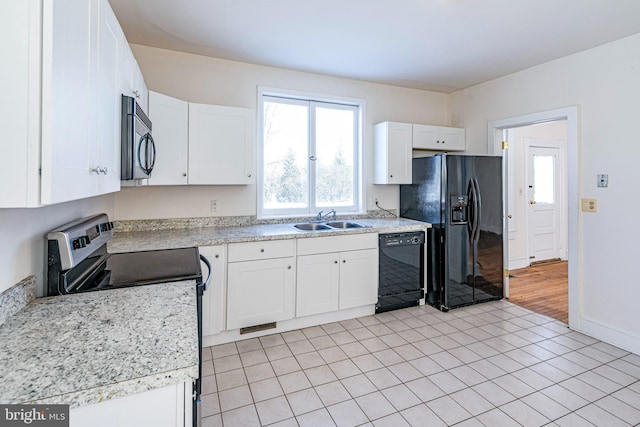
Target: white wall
<point x="22" y="233"/>
<point x="605" y="83"/>
<point x="214" y="81"/>
<point x="518" y="196"/>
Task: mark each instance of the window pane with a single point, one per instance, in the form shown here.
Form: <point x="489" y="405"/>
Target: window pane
<point x="334" y="152"/>
<point x="543" y="179"/>
<point x="286" y="130"/>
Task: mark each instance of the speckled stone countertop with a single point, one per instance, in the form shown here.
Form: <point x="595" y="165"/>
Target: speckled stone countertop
<point x="85" y="348"/>
<point x="209" y="236"/>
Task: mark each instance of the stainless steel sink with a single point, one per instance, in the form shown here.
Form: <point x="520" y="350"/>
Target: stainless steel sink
<point x="344" y="224"/>
<point x="311" y="226"/>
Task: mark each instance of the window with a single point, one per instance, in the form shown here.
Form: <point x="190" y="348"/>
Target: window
<point x="309" y="157"/>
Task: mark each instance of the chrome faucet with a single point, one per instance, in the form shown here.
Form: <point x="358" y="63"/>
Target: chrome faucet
<point x="321" y="215"/>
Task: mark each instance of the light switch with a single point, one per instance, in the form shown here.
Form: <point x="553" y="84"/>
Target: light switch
<point x="603" y="180"/>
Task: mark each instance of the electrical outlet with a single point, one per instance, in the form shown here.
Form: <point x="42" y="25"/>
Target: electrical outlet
<point x="589" y="205"/>
<point x="216" y="206"/>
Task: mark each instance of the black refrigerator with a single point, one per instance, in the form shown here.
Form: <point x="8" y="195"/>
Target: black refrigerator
<point x="461" y="196"/>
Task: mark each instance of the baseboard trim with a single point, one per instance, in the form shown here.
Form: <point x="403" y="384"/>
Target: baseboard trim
<point x="610" y="334"/>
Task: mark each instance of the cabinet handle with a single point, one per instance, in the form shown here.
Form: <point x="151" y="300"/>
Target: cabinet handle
<point x="443" y="141"/>
<point x="248" y="175"/>
<point x="217" y="256"/>
<point x="261" y="250"/>
<point x="390" y="176"/>
<point x="99" y="169"/>
<point x="335" y="262"/>
<point x="184" y="174"/>
<point x="344" y="261"/>
<point x="136" y="93"/>
<point x="288" y="267"/>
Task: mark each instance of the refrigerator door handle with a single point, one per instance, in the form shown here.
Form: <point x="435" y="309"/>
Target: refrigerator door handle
<point x="478" y="209"/>
<point x="471" y="210"/>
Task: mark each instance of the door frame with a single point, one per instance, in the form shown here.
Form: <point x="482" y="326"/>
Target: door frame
<point x="495" y="131"/>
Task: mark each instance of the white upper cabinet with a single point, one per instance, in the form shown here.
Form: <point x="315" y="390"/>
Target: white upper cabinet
<point x="133" y="81"/>
<point x="61" y="100"/>
<point x="221" y="144"/>
<point x="20" y="113"/>
<point x="392" y="153"/>
<point x="170" y="119"/>
<point x="201" y="144"/>
<point x="68" y="44"/>
<point x="439" y="138"/>
<point x="111" y="43"/>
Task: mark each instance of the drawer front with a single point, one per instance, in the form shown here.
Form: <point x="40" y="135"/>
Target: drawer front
<point x="261" y="250"/>
<point x="351" y="242"/>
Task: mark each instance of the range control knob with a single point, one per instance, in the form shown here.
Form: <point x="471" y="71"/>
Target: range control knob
<point x="80" y="242"/>
<point x="76" y="244"/>
<point x="106" y="226"/>
<point x="415" y="240"/>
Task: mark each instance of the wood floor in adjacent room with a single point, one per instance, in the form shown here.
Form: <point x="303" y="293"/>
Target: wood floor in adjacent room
<point x="541" y="288"/>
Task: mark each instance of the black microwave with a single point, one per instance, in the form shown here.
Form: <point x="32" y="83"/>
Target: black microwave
<point x="138" y="149"/>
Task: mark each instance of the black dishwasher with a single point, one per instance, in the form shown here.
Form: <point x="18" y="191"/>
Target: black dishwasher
<point x="401" y="270"/>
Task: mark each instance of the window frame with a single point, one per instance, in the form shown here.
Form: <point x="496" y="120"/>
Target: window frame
<point x="314" y="101"/>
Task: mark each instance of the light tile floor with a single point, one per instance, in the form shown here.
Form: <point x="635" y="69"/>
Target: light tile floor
<point x="493" y="364"/>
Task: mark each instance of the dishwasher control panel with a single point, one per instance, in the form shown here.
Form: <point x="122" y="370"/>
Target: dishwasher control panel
<point x="402" y="239"/>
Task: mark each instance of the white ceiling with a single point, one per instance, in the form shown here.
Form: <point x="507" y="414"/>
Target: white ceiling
<point x="439" y="45"/>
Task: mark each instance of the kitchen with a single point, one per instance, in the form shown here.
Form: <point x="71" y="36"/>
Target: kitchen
<point x="586" y="79"/>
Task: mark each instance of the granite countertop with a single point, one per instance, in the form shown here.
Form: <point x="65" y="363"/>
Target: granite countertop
<point x="209" y="236"/>
<point x="84" y="348"/>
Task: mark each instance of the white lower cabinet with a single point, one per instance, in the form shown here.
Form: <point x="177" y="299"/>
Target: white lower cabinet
<point x="168" y="406"/>
<point x="318" y="284"/>
<point x="214" y="301"/>
<point x="261" y="290"/>
<point x="329" y="281"/>
<point x="358" y="278"/>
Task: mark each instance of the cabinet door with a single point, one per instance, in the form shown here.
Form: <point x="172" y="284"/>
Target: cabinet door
<point x="358" y="278"/>
<point x="260" y="292"/>
<point x="317" y="284"/>
<point x="106" y="139"/>
<point x="392" y="152"/>
<point x="20" y="39"/>
<point x="221" y="143"/>
<point x="452" y="139"/>
<point x="170" y="119"/>
<point x="68" y="112"/>
<point x="133" y="80"/>
<point x="160" y="407"/>
<point x="214" y="301"/>
<point x="426" y="137"/>
<point x="438" y="138"/>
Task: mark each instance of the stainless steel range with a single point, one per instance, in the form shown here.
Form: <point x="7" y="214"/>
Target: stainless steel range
<point x="78" y="261"/>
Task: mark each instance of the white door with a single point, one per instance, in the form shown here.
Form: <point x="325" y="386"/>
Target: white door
<point x="543" y="182"/>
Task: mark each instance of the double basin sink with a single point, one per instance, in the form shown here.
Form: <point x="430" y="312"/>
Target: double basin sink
<point x="333" y="225"/>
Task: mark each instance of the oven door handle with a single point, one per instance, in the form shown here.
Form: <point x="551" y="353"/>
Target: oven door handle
<point x="208" y="264"/>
